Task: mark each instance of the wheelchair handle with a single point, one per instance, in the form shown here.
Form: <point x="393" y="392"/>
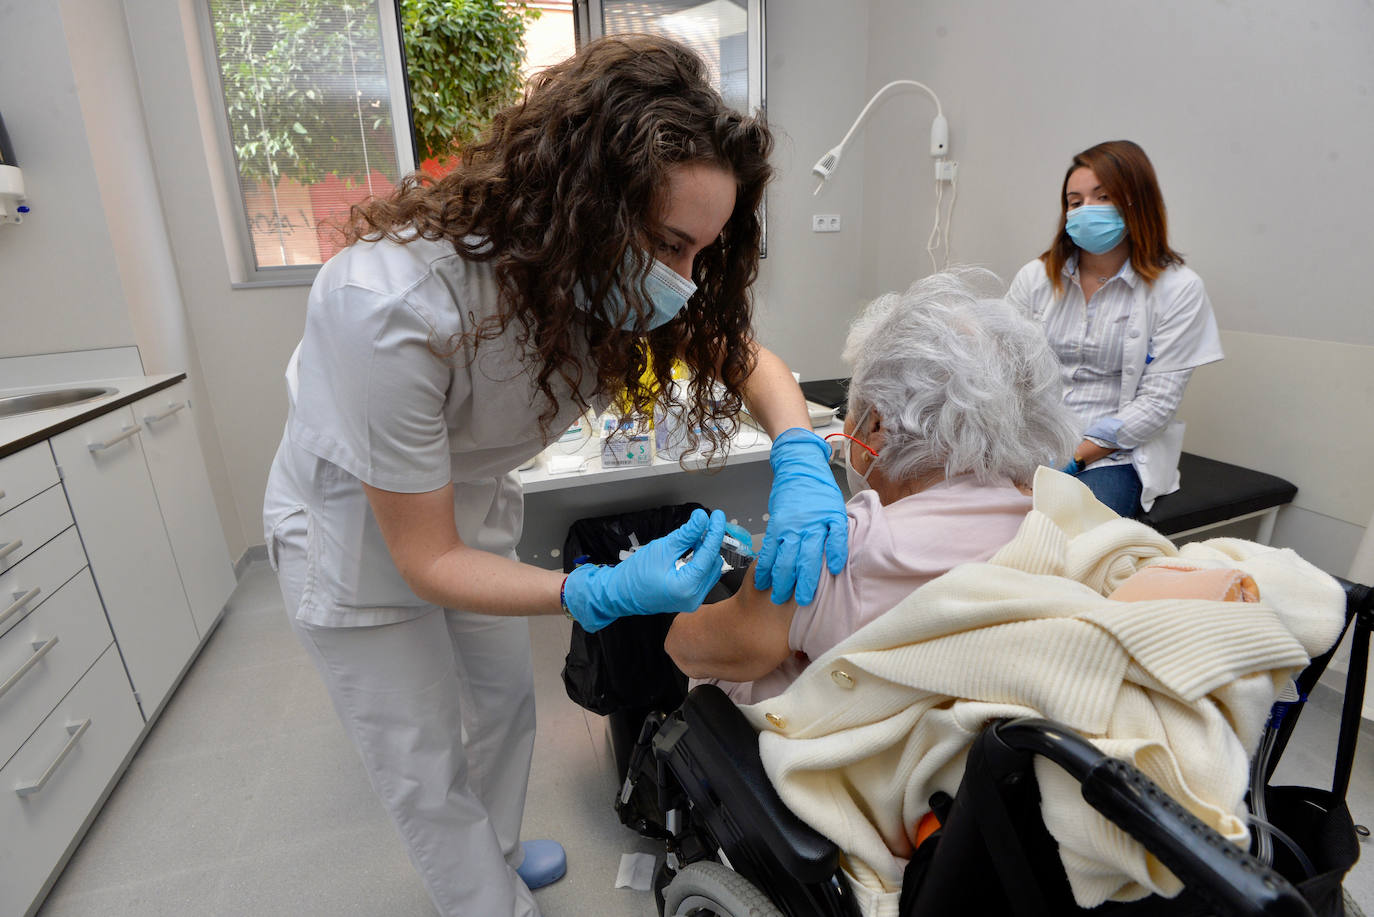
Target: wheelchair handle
<point x="1218" y="871"/>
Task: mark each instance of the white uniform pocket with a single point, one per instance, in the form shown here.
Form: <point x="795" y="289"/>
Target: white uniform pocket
<point x="292" y="554"/>
<point x="275" y="532"/>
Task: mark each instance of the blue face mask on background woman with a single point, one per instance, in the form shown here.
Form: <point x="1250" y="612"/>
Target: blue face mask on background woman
<point x="666" y="289"/>
<point x="1095" y="228"/>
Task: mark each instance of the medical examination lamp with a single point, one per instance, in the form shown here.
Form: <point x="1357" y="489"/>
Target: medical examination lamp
<point x="939" y="132"/>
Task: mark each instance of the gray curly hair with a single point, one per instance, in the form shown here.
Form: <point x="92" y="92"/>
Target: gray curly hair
<point x="961" y="379"/>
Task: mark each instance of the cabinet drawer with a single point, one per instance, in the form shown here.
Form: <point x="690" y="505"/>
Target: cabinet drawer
<point x="37" y="827"/>
<point x="25" y="586"/>
<point x="24" y="474"/>
<point x="106" y="478"/>
<point x="31" y="524"/>
<point x="45" y="654"/>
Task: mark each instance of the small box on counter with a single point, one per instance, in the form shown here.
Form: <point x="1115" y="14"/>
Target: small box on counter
<point x="625" y="443"/>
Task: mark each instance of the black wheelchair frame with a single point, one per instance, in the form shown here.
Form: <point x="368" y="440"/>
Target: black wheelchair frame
<point x="696" y="781"/>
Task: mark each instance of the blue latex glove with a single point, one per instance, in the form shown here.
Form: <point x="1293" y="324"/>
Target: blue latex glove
<point x="806" y="519"/>
<point x="649" y="580"/>
<point x="1073" y="467"/>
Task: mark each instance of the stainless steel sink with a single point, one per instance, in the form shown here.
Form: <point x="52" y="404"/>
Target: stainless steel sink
<point x="52" y="398"/>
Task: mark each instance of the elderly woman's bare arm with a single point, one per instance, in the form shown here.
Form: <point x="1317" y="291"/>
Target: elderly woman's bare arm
<point x="740" y="639"/>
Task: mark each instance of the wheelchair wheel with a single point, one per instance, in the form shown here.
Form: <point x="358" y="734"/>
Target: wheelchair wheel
<point x="706" y="889"/>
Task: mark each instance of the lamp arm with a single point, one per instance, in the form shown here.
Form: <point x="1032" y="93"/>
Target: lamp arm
<point x="939" y="112"/>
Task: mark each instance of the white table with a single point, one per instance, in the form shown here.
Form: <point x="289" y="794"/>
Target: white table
<point x="553" y="502"/>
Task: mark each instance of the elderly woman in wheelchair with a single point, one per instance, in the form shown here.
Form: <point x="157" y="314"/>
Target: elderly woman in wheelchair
<point x="954" y="402"/>
<point x="888" y="758"/>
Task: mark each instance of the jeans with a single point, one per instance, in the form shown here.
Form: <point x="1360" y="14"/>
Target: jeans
<point x="1116" y="486"/>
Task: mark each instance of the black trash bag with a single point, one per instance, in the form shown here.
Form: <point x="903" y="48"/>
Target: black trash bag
<point x="1319" y="822"/>
<point x="623" y="666"/>
<point x="622" y="671"/>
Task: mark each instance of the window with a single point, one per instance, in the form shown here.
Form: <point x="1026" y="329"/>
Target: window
<point x="465" y="60"/>
<point x="309" y="93"/>
<point x="323" y="103"/>
<point x="728" y="34"/>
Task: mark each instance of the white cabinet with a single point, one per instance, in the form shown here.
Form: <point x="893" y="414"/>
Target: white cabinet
<point x="50" y="786"/>
<point x="113" y="568"/>
<point x="25" y="585"/>
<point x="67" y="715"/>
<point x="116" y="510"/>
<point x="44" y="655"/>
<point x="24" y="474"/>
<point x="187" y="504"/>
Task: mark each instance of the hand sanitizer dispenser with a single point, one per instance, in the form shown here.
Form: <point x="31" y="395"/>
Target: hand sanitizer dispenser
<point x="13" y="204"/>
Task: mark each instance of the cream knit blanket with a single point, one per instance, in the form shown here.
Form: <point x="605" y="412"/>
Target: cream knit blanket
<point x="1180" y="688"/>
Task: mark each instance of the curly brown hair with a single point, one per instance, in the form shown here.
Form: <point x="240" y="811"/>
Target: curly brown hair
<point x="563" y="193"/>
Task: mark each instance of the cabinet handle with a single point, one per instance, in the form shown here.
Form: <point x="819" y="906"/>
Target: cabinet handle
<point x="126" y="433"/>
<point x="10" y="548"/>
<point x="40" y="649"/>
<point x="171" y="409"/>
<point x="19" y="602"/>
<point x="76" y="730"/>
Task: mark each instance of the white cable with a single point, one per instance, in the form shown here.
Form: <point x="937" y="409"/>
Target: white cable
<point x="949" y="216"/>
<point x="933" y="243"/>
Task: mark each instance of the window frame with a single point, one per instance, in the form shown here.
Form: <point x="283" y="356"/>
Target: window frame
<point x="589" y="21"/>
<point x="587" y="14"/>
<point x="244" y="273"/>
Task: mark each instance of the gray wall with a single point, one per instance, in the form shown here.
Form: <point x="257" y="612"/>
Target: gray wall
<point x="59" y="284"/>
<point x="1259" y="117"/>
<point x="811" y="284"/>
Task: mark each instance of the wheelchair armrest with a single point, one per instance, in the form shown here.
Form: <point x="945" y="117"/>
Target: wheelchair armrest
<point x="714" y="753"/>
<point x="1218" y="871"/>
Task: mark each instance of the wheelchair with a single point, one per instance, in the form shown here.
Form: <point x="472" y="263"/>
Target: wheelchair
<point x="694" y="779"/>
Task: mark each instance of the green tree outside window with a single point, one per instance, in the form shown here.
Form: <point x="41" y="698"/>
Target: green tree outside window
<point x="305" y="88"/>
<point x="463" y="61"/>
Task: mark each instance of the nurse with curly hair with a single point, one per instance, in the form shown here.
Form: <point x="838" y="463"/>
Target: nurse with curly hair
<point x="600" y="229"/>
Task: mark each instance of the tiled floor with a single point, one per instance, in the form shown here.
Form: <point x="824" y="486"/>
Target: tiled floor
<point x="247" y="799"/>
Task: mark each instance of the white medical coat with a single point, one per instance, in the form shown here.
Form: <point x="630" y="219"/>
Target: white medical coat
<point x="371" y="403"/>
<point x="1171" y="324"/>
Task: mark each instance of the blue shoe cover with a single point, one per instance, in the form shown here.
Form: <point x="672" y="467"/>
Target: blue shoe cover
<point x="545" y="863"/>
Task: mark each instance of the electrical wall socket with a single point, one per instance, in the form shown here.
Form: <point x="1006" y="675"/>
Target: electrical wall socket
<point x="946" y="170"/>
<point x="825" y="222"/>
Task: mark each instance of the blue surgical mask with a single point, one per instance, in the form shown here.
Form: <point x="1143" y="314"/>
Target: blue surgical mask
<point x="1095" y="228"/>
<point x="667" y="292"/>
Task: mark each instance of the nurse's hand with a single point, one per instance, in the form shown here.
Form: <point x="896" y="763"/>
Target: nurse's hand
<point x="806" y="519"/>
<point x="650" y="581"/>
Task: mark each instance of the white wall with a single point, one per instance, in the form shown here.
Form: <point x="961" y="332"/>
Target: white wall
<point x="244" y="337"/>
<point x="1259" y="118"/>
<point x="108" y="95"/>
<point x="59" y="284"/>
<point x="811" y="284"/>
